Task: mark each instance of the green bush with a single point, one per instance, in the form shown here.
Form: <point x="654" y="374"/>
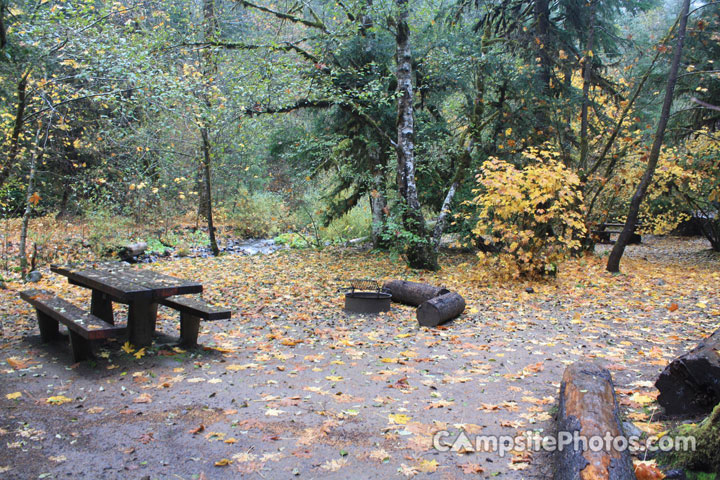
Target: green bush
<point x="354" y="224"/>
<point x="106" y="232"/>
<point x="257" y="215"/>
<point x="292" y="240"/>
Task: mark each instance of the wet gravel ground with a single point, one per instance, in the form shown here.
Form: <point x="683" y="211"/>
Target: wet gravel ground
<point x="292" y="387"/>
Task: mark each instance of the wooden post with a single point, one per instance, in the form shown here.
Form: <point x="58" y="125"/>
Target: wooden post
<point x="141" y="322"/>
<point x="189" y="328"/>
<point x="588" y="409"/>
<point x="49" y="330"/>
<point x="440" y="309"/>
<point x="101" y="306"/>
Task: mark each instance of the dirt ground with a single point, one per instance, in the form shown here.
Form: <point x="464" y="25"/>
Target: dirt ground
<point x="292" y="387"/>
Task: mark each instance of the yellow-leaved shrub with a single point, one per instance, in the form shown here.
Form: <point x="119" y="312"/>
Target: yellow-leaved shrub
<point x="535" y="213"/>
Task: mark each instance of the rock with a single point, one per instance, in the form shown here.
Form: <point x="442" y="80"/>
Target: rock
<point x="631" y="430"/>
<point x="530" y="290"/>
<point x="676" y="474"/>
<point x="34" y="276"/>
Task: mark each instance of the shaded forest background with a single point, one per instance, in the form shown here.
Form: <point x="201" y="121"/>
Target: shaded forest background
<point x="518" y="127"/>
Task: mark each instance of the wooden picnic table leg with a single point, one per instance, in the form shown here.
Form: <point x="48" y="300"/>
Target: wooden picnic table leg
<point x="101" y="306"/>
<point x="48" y="327"/>
<point x="141" y="322"/>
<point x="189" y="327"/>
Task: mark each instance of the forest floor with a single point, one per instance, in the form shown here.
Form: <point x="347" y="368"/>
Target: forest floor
<point x="293" y="387"/>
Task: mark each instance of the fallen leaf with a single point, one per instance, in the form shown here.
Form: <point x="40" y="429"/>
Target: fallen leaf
<point x="398" y="418"/>
<point x="143" y="398"/>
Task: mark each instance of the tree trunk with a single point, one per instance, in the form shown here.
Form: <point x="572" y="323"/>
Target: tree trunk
<point x="690" y="384"/>
<point x="208" y="192"/>
<point x="541" y="12"/>
<point x="34" y="159"/>
<point x="3" y="37"/>
<point x="420" y="253"/>
<point x="378" y="202"/>
<point x="412" y="293"/>
<point x="616" y="254"/>
<point x="588" y="408"/>
<point x="209" y="69"/>
<point x="440" y="309"/>
<point x="17" y="129"/>
<point x="587" y="75"/>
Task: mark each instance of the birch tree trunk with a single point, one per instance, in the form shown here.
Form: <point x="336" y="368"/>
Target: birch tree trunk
<point x="616" y="254"/>
<point x="420" y="253"/>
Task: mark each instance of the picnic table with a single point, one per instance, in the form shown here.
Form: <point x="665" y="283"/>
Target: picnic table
<point x="141" y="290"/>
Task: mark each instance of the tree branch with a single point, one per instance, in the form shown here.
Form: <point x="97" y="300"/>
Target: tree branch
<point x="286" y="16"/>
<point x="705" y="104"/>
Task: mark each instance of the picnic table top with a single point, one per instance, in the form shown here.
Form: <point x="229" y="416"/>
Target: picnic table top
<point x="126" y="284"/>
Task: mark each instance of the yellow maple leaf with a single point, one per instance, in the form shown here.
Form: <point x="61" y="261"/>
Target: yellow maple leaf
<point x="640" y="398"/>
<point x="128" y="348"/>
<point x="13" y="396"/>
<point x="223" y="463"/>
<point x="58" y="400"/>
<point x="427" y="466"/>
<point x="34" y="198"/>
<point x="398" y="418"/>
<point x="334" y="378"/>
<point x="140" y="353"/>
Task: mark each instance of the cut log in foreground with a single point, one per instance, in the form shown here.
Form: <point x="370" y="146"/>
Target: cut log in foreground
<point x="690" y="385"/>
<point x="588" y="408"/>
<point x="412" y="293"/>
<point x="440" y="309"/>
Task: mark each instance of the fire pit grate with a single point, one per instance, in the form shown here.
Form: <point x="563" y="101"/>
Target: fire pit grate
<point x="366" y="296"/>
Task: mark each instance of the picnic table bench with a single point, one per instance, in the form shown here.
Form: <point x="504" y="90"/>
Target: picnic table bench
<point x="603" y="231"/>
<point x="82" y="326"/>
<point x="141" y="290"/>
<point x="192" y="309"/>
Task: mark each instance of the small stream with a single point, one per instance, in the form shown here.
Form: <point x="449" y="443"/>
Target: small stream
<point x="251" y="246"/>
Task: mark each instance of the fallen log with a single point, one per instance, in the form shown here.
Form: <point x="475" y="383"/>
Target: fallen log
<point x="412" y="293"/>
<point x="132" y="250"/>
<point x="690" y="384"/>
<point x="440" y="309"/>
<point x="588" y="409"/>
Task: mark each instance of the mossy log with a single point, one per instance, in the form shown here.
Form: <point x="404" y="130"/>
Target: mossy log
<point x="705" y="457"/>
<point x="588" y="408"/>
<point x="690" y="384"/>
